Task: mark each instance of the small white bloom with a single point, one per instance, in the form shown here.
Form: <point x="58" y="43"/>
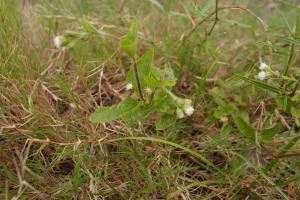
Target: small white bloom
<point x="57" y="41"/>
<point x="179" y="113"/>
<point x="129" y="86"/>
<point x="261" y="75"/>
<point x="148" y="90"/>
<point x="189" y="110"/>
<point x="263" y="66"/>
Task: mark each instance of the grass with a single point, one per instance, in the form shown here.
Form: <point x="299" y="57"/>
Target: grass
<point x="242" y="142"/>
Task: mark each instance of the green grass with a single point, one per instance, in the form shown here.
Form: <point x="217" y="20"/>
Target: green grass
<point x="242" y="142"/>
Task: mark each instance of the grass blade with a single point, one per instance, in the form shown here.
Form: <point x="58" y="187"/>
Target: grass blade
<point x="263" y="175"/>
<point x="192" y="152"/>
<point x="259" y="84"/>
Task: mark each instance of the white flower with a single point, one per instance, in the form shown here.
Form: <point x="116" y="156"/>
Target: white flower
<point x="261" y="75"/>
<point x="57" y="41"/>
<point x="263" y="66"/>
<point x="129" y="86"/>
<point x="189" y="110"/>
<point x="148" y="90"/>
<point x="179" y="113"/>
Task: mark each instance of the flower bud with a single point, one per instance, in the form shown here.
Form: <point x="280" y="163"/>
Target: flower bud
<point x="179" y="113"/>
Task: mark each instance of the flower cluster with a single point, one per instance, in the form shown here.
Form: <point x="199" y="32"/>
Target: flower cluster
<point x="185" y="107"/>
<point x="263" y="71"/>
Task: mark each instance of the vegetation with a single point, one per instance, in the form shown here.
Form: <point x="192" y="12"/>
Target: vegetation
<point x="152" y="99"/>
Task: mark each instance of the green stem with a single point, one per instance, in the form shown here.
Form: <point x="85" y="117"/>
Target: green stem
<point x="289" y="61"/>
<point x="216" y="19"/>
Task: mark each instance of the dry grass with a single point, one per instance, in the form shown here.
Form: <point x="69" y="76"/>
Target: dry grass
<point x="50" y="150"/>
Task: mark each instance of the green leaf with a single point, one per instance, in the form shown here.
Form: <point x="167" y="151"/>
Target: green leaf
<point x="284" y="103"/>
<point x="139" y="113"/>
<point x="285" y="21"/>
<point x="130" y="41"/>
<point x="163" y="102"/>
<point x="164" y="77"/>
<point x="224" y="109"/>
<point x="268" y="133"/>
<point x="88" y="27"/>
<point x="78" y="177"/>
<point x="108" y="114"/>
<point x="289" y="40"/>
<point x="226" y="129"/>
<point x="295" y="111"/>
<point x="259" y="84"/>
<point x="244" y="128"/>
<point x="165" y="121"/>
<point x="144" y="67"/>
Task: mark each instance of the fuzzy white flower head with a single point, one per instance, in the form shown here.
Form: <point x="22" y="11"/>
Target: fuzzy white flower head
<point x="263" y="66"/>
<point x="129" y="86"/>
<point x="189" y="110"/>
<point x="57" y="41"/>
<point x="261" y="75"/>
<point x="148" y="90"/>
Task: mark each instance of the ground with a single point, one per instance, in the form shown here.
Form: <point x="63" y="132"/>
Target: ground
<point x="241" y="141"/>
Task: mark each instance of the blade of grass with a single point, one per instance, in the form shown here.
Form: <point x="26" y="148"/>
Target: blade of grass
<point x="194" y="183"/>
<point x="283" y="151"/>
<point x="192" y="152"/>
<point x="289" y="40"/>
<point x="261" y="172"/>
<point x="259" y="84"/>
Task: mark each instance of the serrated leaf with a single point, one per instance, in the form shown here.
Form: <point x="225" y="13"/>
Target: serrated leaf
<point x="268" y="133"/>
<point x="108" y="114"/>
<point x="165" y="121"/>
<point x="244" y="128"/>
<point x="130" y="41"/>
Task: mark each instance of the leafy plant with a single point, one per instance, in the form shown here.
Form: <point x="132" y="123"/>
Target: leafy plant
<point x="152" y="85"/>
